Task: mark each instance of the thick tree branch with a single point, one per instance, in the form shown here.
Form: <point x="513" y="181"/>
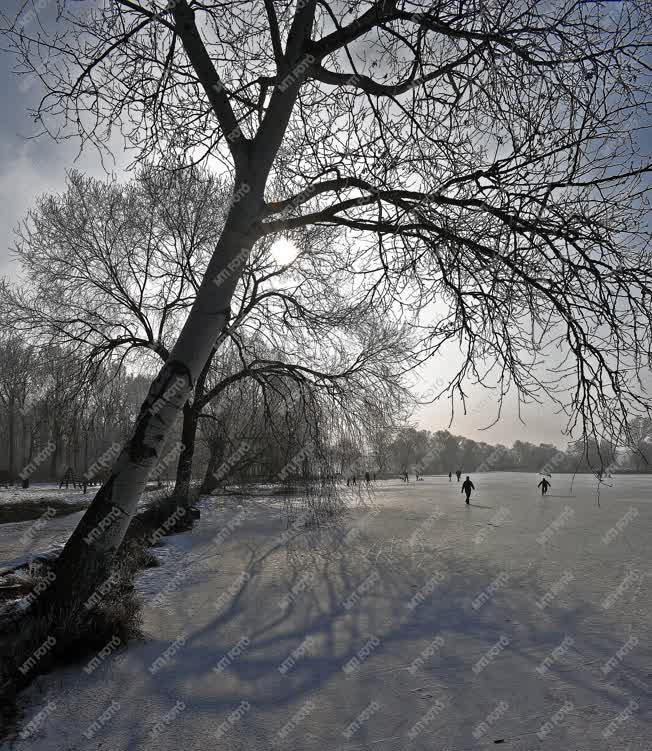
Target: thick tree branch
<point x="369" y="86"/>
<point x="273" y="127"/>
<point x="209" y="78"/>
<point x="275" y="35"/>
<point x="380" y="12"/>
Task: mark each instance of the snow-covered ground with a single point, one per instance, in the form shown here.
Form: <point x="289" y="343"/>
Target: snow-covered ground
<point x="420" y="624"/>
<point x="42" y="492"/>
<point x="49" y="523"/>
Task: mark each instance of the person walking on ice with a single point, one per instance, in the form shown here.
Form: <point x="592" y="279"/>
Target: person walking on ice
<point x="467" y="487"/>
<point x="458" y="472"/>
<point x="544" y="485"/>
<point x="450" y="476"/>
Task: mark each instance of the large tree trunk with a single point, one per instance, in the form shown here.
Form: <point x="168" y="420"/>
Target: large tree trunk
<point x="54" y="459"/>
<point x="12" y="439"/>
<point x="191" y="413"/>
<point x="85" y="561"/>
<point x="28" y="440"/>
<point x="184" y="465"/>
<point x="210" y="482"/>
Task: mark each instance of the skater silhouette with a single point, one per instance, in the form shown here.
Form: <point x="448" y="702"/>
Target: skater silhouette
<point x="544" y="485"/>
<point x="459" y="474"/>
<point x="450" y="476"/>
<point x="367" y="478"/>
<point x="467" y="487"/>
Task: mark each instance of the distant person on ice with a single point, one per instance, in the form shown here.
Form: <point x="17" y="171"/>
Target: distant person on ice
<point x="367" y="478"/>
<point x="450" y="476"/>
<point x="544" y="485"/>
<point x="459" y="474"/>
<point x="467" y="487"/>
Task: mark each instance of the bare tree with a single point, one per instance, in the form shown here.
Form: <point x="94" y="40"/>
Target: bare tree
<point x="362" y="377"/>
<point x="111" y="269"/>
<point x="482" y="158"/>
<point x="49" y="401"/>
<point x="18" y="382"/>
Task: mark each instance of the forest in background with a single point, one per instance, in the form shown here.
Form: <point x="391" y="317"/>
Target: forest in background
<point x="53" y="417"/>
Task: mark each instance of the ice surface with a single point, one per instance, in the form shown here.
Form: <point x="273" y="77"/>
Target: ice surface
<point x="398" y="590"/>
<point x="44" y="533"/>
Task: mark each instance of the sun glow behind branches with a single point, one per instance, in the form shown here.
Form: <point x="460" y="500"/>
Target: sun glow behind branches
<point x="284" y="251"/>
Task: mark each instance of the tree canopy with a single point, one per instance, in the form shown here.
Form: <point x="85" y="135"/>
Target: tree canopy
<point x="482" y="157"/>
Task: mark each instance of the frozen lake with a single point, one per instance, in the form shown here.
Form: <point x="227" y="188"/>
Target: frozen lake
<point x="420" y="623"/>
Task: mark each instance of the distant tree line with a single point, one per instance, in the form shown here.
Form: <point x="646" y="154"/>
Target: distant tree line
<point x="57" y="413"/>
<point x="425" y="452"/>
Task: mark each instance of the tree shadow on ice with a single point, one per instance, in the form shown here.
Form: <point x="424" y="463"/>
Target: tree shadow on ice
<point x="326" y="608"/>
<point x="318" y="616"/>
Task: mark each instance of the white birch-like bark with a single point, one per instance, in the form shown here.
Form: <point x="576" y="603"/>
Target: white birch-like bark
<point x="85" y="561"/>
<point x="103" y="526"/>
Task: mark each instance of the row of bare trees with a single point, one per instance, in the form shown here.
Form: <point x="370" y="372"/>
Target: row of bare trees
<point x="54" y="414"/>
<point x="441" y="452"/>
<point x="108" y="272"/>
<point x="48" y="400"/>
<point x="52" y="417"/>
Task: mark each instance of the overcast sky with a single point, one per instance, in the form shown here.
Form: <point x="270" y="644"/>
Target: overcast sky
<point x="29" y="167"/>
